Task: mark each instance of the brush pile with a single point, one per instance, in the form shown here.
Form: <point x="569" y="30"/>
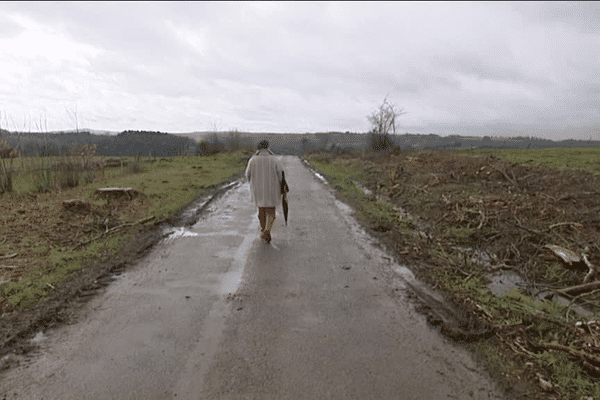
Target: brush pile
<point x="478" y="215"/>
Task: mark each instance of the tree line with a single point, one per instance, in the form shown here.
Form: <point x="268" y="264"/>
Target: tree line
<point x="126" y="143"/>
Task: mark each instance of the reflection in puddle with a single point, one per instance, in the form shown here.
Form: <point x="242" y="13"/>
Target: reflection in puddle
<point x="233" y="278"/>
<point x="182" y="232"/>
<point x="179" y="232"/>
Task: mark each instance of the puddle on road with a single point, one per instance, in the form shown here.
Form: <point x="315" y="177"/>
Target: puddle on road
<point x="179" y="232"/>
<point x="182" y="232"/>
<point x="232" y="279"/>
<point x="320" y="176"/>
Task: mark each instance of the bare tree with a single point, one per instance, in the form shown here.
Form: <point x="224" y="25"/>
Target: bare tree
<point x="383" y="120"/>
<point x="383" y="123"/>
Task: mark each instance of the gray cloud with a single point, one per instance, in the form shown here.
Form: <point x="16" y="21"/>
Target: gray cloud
<point x="472" y="67"/>
<point x="8" y="28"/>
<point x="582" y="16"/>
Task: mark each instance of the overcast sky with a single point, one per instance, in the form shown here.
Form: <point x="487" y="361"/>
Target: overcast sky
<point x="493" y="68"/>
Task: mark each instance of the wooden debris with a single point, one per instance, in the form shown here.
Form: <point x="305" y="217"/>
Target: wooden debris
<point x="112" y="230"/>
<point x="574" y="290"/>
<point x="577" y="224"/>
<point x="572" y="352"/>
<point x="593" y="269"/>
<point x="115" y="162"/>
<point x="579" y="296"/>
<point x="9" y="256"/>
<point x="568" y="256"/>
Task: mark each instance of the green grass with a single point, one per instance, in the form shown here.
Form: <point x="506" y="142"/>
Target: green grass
<point x="165" y="186"/>
<point x="61" y="263"/>
<point x="170" y="183"/>
<point x="341" y="174"/>
<point x="585" y="158"/>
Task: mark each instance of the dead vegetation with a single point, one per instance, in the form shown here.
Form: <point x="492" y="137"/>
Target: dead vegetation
<point x="526" y="217"/>
<point x="478" y="215"/>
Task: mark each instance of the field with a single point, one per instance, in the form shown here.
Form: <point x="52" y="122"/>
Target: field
<point x="582" y="158"/>
<point x="46" y="236"/>
<point x="463" y="218"/>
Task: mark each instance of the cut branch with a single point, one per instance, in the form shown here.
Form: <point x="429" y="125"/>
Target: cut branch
<point x="574" y="290"/>
<point x="579" y="354"/>
<point x="112" y="230"/>
<point x="593" y="269"/>
<point x="574" y="299"/>
<point x="577" y="224"/>
<point x="9" y="256"/>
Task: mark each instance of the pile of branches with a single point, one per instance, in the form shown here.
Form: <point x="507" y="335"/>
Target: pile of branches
<point x="527" y="217"/>
<point x="477" y="215"/>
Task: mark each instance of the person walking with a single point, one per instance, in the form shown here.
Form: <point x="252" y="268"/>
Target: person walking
<point x="265" y="174"/>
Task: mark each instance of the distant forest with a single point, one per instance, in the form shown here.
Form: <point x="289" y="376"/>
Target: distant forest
<point x="132" y="143"/>
<point x="127" y="143"/>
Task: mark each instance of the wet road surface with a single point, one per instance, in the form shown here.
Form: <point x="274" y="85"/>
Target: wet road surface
<point x="214" y="313"/>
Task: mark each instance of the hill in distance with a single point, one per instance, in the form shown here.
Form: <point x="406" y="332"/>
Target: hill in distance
<point x="165" y="144"/>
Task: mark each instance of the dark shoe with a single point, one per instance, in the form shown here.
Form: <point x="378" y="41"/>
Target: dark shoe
<point x="268" y="237"/>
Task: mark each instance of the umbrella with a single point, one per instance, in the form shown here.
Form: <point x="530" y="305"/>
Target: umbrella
<point x="284" y="190"/>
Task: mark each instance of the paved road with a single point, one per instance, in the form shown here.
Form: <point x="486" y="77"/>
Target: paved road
<point x="214" y="313"/>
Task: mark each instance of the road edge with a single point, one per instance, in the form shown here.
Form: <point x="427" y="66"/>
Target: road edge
<point x="62" y="304"/>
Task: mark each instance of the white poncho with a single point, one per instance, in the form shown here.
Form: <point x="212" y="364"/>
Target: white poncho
<point x="264" y="174"/>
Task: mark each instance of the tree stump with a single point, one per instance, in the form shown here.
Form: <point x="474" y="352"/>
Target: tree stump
<point x="116" y="193"/>
<point x="76" y="204"/>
